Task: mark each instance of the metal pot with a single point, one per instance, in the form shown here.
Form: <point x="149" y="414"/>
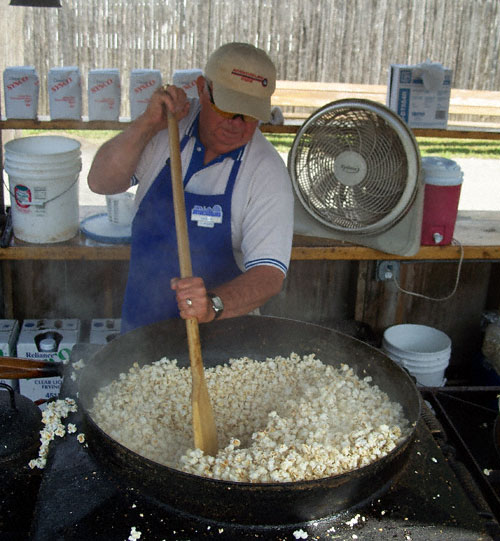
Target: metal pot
<point x="258" y="338"/>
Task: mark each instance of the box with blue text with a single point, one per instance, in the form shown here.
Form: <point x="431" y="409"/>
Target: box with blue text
<point x="49" y="340"/>
<point x="420" y="94"/>
<point x="103" y="330"/>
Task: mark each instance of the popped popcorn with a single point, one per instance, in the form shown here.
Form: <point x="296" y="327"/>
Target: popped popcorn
<point x="51" y="418"/>
<point x="134" y="534"/>
<point x="281" y="420"/>
<point x="353" y="521"/>
<point x="78" y="365"/>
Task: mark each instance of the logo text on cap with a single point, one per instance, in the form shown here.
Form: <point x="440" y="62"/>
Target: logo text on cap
<point x="249" y="77"/>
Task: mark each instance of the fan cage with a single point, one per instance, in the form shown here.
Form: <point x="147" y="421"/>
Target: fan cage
<point x="383" y="147"/>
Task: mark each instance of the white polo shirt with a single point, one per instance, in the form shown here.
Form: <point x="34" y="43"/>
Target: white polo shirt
<point x="262" y="202"/>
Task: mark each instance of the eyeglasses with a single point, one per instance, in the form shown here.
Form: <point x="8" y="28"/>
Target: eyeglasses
<point x="225" y="114"/>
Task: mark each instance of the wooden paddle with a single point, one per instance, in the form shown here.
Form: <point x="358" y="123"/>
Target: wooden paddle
<point x="205" y="432"/>
<point x="18" y="368"/>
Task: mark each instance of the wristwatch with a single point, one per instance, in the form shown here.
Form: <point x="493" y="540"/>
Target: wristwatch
<point x="217" y="304"/>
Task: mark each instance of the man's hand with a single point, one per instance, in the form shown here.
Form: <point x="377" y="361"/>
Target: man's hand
<point x="192" y="299"/>
<point x="166" y="97"/>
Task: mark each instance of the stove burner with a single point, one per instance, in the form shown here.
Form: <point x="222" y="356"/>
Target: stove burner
<point x="469" y="417"/>
<point x="428" y="501"/>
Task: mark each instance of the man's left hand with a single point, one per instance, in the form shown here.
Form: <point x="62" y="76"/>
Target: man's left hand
<point x="192" y="299"/>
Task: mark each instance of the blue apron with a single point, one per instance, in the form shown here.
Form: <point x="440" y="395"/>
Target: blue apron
<point x="154" y="259"/>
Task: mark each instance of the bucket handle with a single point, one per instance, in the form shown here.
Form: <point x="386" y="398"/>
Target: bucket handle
<point x="48" y="200"/>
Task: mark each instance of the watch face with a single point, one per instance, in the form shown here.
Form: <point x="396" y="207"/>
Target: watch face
<point x="217" y="304"/>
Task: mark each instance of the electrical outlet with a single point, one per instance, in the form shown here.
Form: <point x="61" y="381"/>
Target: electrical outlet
<point x="387" y="270"/>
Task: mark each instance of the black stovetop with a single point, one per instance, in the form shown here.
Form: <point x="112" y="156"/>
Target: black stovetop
<point x="433" y="498"/>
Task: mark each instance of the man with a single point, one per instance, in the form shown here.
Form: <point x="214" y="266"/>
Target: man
<point x="238" y="195"/>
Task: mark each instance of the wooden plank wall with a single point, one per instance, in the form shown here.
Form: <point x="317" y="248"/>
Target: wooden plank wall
<point x="66" y="289"/>
<point x="341" y="41"/>
<point x="340" y="294"/>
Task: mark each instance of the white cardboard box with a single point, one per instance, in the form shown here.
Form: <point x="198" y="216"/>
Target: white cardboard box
<point x="46" y="339"/>
<point x="9" y="331"/>
<point x="102" y="331"/>
<point x="411" y="99"/>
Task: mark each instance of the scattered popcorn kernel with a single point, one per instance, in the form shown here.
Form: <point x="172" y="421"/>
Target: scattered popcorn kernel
<point x="134" y="534"/>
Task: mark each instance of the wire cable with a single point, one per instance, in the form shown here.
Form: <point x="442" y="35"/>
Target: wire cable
<point x="437" y="299"/>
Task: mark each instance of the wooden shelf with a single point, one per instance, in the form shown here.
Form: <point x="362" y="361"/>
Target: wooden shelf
<point x="477" y="231"/>
<point x="453" y="132"/>
<point x="47" y="124"/>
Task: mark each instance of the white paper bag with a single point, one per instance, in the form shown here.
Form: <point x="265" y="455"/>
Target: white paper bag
<point x="104" y="94"/>
<point x="186" y="79"/>
<point x="21" y="89"/>
<point x="65" y="93"/>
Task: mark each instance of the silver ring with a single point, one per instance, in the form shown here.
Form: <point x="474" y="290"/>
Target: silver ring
<point x="189" y="302"/>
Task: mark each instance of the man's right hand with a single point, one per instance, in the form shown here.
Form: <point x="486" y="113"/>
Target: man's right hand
<point x="165" y="97"/>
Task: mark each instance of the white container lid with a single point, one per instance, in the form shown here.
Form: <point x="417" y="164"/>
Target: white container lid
<point x="53" y="146"/>
<point x="29" y="69"/>
<point x="104" y="70"/>
<point x="48" y="344"/>
<point x="441" y="171"/>
<point x="63" y="69"/>
<point x="142" y="71"/>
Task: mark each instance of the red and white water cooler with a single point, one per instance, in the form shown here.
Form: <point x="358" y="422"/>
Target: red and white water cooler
<point x="443" y="182"/>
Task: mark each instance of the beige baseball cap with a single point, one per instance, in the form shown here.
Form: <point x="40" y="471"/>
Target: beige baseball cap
<point x="243" y="79"/>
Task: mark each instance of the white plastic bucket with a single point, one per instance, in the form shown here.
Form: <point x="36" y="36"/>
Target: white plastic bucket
<point x="43" y="185"/>
<point x="423" y="351"/>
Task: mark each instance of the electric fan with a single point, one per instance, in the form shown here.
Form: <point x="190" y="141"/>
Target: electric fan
<point x="356" y="172"/>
